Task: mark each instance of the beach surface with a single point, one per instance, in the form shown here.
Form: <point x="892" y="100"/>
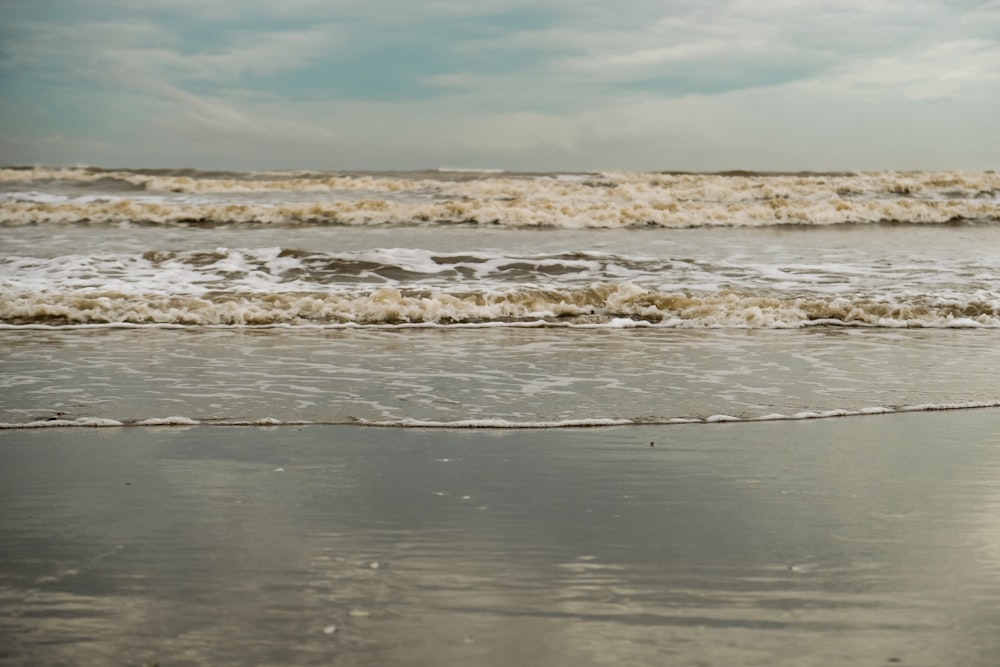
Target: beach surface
<point x="868" y="540"/>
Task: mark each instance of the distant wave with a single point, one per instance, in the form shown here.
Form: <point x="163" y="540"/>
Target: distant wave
<point x="470" y="170"/>
<point x="718" y="186"/>
<point x="569" y="214"/>
<point x="620" y="200"/>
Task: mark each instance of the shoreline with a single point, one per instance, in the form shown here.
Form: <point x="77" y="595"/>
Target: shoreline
<point x="488" y="423"/>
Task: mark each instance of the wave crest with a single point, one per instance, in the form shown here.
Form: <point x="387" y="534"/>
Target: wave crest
<point x="607" y="304"/>
<point x="587" y="200"/>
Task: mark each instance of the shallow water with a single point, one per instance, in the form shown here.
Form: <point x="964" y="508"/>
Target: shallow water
<point x="869" y="540"/>
<point x="130" y="299"/>
<point x="494" y="375"/>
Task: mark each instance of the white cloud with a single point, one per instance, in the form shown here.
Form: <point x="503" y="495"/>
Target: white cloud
<point x="669" y="54"/>
<point x="248" y="54"/>
<point x="794" y="84"/>
<point x="156" y="50"/>
<point x="59" y="46"/>
<point x="184" y="115"/>
<point x="947" y="70"/>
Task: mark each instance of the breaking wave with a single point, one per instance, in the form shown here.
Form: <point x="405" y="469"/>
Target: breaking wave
<point x="538" y="200"/>
<point x="607" y="305"/>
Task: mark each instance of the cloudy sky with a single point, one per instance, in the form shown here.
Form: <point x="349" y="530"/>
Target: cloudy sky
<point x="515" y="84"/>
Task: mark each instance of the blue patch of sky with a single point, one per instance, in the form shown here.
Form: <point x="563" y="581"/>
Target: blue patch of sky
<point x="391" y="61"/>
<point x="40" y="108"/>
<point x="391" y="71"/>
<point x="48" y="11"/>
<point x="714" y="77"/>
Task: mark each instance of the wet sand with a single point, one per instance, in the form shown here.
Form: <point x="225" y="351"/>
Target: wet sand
<point x="853" y="541"/>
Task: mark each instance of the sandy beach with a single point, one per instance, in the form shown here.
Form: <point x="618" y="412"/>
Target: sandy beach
<point x="853" y="541"/>
<point x="508" y="334"/>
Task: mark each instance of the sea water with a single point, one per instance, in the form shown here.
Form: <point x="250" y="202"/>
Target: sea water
<point x="493" y="299"/>
<point x="342" y="418"/>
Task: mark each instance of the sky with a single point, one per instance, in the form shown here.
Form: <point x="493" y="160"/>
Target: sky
<point x="569" y="85"/>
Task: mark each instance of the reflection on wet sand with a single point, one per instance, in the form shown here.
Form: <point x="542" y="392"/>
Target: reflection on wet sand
<point x="838" y="542"/>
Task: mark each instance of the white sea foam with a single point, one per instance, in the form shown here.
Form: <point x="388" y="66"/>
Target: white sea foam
<point x="649" y="421"/>
<point x="718" y="187"/>
<point x="89" y="422"/>
<point x="612" y="305"/>
<point x="637" y="325"/>
<point x="167" y="421"/>
<point x="569" y="214"/>
<point x="501" y="423"/>
<point x="469" y="170"/>
<point x="496" y="423"/>
<point x="605" y="201"/>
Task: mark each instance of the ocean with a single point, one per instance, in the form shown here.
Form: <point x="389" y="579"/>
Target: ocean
<point x="458" y="298"/>
<point x="456" y="417"/>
